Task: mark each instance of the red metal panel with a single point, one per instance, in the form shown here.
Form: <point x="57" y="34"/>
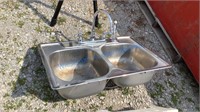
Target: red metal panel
<point x="181" y="21"/>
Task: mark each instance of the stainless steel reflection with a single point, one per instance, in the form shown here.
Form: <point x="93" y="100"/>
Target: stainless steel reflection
<point x="128" y="57"/>
<point x="80" y="70"/>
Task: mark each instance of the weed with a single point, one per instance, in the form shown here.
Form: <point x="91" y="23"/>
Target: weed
<point x="34" y="48"/>
<point x="67" y="102"/>
<point x="40" y="70"/>
<point x="21" y="81"/>
<point x="93" y="107"/>
<point x="99" y="25"/>
<point x="23" y="68"/>
<point x="10" y="4"/>
<point x="48" y="29"/>
<point x="126" y="91"/>
<point x="13" y="104"/>
<point x="174" y="99"/>
<point x="19" y="15"/>
<point x="38" y="29"/>
<point x="20" y="24"/>
<point x="45" y="110"/>
<point x="6" y="95"/>
<point x="189" y="100"/>
<point x="159" y="87"/>
<point x="61" y="20"/>
<point x="54" y="3"/>
<point x="158" y="92"/>
<point x="172" y="85"/>
<point x="52" y="39"/>
<point x="12" y="84"/>
<point x="109" y="108"/>
<point x="86" y="34"/>
<point x="19" y="59"/>
<point x="54" y="105"/>
<point x="99" y="31"/>
<point x="3" y="17"/>
<point x="101" y="94"/>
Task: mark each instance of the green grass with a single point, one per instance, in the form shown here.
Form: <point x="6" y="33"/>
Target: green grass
<point x="54" y="3"/>
<point x="61" y="20"/>
<point x="12" y="84"/>
<point x="172" y="85"/>
<point x="159" y="87"/>
<point x="110" y="108"/>
<point x="99" y="25"/>
<point x="67" y="102"/>
<point x="23" y="68"/>
<point x="19" y="59"/>
<point x="3" y="17"/>
<point x="38" y="29"/>
<point x="54" y="105"/>
<point x="48" y="29"/>
<point x="86" y="34"/>
<point x="22" y="14"/>
<point x="101" y="94"/>
<point x="20" y="24"/>
<point x="21" y="81"/>
<point x="93" y="107"/>
<point x="158" y="91"/>
<point x="6" y="95"/>
<point x="11" y="5"/>
<point x="40" y="70"/>
<point x="126" y="91"/>
<point x="52" y="39"/>
<point x="8" y="105"/>
<point x="34" y="48"/>
<point x="174" y="99"/>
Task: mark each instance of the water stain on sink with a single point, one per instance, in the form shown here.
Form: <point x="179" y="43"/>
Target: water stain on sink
<point x="65" y="73"/>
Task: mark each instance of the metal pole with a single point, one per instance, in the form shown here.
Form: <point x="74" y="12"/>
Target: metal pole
<point x="55" y="16"/>
<point x="95" y="9"/>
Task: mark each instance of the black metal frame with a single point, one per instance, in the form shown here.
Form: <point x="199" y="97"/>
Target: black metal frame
<point x="58" y="7"/>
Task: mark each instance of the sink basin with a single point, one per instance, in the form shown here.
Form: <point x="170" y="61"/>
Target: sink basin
<point x="128" y="57"/>
<point x="137" y="63"/>
<point x="77" y="65"/>
<point x="79" y="70"/>
<point x="75" y="72"/>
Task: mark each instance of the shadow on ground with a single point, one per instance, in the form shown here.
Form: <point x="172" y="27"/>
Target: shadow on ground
<point x="32" y="79"/>
<point x="44" y="18"/>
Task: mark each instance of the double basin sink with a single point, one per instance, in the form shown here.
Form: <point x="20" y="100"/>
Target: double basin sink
<point x="79" y="70"/>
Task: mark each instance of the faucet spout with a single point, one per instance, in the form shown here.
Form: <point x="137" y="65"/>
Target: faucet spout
<point x="112" y="29"/>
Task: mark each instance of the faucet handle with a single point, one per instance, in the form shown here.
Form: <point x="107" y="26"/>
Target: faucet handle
<point x="114" y="38"/>
<point x="115" y="22"/>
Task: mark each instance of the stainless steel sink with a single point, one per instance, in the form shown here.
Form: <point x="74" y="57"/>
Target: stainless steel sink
<point x="83" y="69"/>
<point x="128" y="57"/>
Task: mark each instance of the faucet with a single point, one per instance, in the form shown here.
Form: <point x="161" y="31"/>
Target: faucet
<point x="112" y="26"/>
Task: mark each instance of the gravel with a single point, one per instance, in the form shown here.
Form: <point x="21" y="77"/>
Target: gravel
<point x="23" y="82"/>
